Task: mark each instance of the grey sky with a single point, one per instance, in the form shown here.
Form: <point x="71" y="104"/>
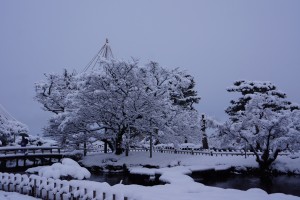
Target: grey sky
<point x="217" y="41"/>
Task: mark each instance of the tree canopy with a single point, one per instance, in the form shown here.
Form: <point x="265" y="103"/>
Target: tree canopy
<point x="120" y="99"/>
<point x="262" y="119"/>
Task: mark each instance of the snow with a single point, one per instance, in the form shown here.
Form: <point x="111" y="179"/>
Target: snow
<point x="165" y="160"/>
<point x="179" y="185"/>
<point x="14" y="196"/>
<point x="67" y="167"/>
<point x="182" y="187"/>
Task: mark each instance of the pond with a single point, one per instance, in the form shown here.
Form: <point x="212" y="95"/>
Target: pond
<point x="288" y="184"/>
<point x="126" y="178"/>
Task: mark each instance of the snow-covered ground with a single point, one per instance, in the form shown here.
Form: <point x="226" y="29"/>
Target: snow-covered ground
<point x="174" y="168"/>
<point x="14" y="196"/>
<point x="197" y="162"/>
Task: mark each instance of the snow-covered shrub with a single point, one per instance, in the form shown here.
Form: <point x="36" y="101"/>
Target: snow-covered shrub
<point x="67" y="169"/>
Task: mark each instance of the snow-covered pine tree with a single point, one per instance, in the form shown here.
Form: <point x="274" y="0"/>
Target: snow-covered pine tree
<point x="263" y="119"/>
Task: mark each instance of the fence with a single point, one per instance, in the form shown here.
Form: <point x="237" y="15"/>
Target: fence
<point x="208" y="152"/>
<point x="56" y="189"/>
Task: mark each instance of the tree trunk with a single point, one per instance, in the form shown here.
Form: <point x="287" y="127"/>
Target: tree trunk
<point x="266" y="160"/>
<point x="84" y="149"/>
<point x="118" y="148"/>
<point x="105" y="146"/>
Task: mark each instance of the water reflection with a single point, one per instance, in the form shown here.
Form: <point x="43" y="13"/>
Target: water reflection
<point x="271" y="184"/>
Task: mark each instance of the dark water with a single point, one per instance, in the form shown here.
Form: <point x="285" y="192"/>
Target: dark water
<point x="271" y="184"/>
<point x="111" y="178"/>
<point x="126" y="178"/>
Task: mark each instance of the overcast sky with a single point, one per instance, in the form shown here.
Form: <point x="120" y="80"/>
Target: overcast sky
<point x="217" y="41"/>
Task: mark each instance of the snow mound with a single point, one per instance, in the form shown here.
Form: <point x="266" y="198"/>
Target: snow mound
<point x="67" y="168"/>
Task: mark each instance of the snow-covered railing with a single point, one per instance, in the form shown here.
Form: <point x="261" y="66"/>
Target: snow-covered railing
<point x="215" y="152"/>
<point x="56" y="189"/>
<point x="29" y="150"/>
<point x="35" y="153"/>
<point x="206" y="152"/>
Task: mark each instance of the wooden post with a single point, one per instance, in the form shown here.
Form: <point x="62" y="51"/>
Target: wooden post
<point x="125" y="198"/>
<point x="54" y="195"/>
<point x="94" y="194"/>
<point x="15" y="180"/>
<point x="104" y="196"/>
<point x="47" y="195"/>
<point x="20" y="186"/>
<point x="62" y="196"/>
<point x="114" y="197"/>
<point x="34" y="188"/>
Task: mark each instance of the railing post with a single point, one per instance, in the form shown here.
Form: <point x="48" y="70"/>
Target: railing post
<point x="54" y="194"/>
<point x="70" y="191"/>
<point x="34" y="188"/>
<point x="47" y="195"/>
<point x="15" y="180"/>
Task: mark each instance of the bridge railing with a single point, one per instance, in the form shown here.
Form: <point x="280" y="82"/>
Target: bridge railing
<point x="48" y="188"/>
<point x="29" y="150"/>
